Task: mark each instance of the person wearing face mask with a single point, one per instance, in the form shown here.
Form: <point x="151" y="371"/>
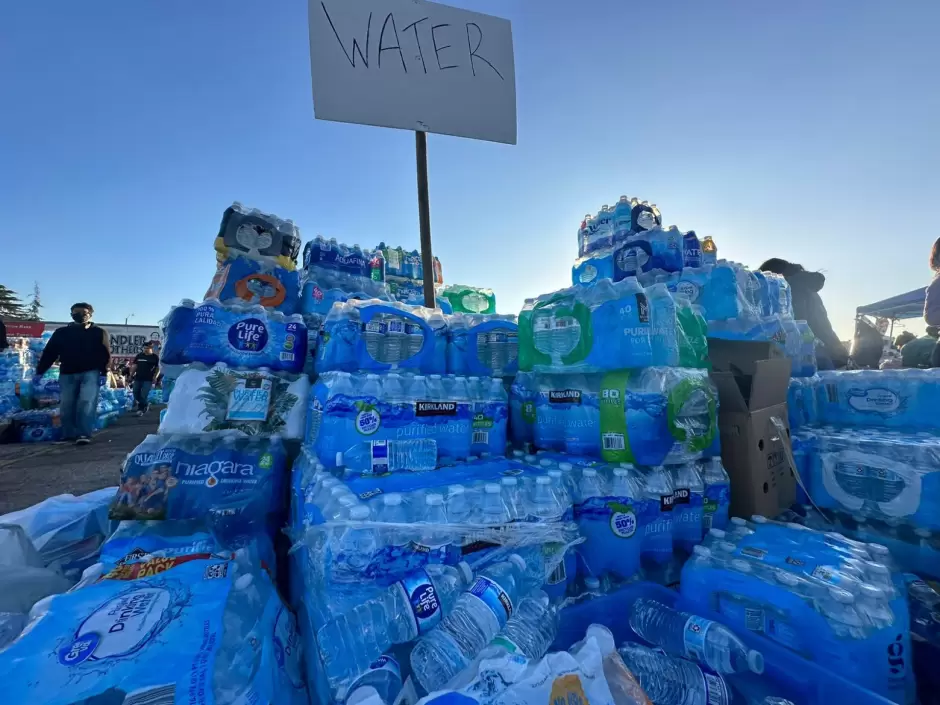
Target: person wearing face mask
<point x="83" y="351"/>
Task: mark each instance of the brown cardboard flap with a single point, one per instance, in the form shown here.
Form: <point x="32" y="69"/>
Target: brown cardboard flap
<point x="740" y="356"/>
<point x="730" y="397"/>
<point x="769" y="383"/>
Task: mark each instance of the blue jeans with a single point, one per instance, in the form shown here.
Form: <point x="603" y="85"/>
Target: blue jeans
<point x="142" y="389"/>
<point x="79" y="403"/>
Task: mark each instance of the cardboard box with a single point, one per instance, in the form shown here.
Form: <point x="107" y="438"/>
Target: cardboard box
<point x="752" y="380"/>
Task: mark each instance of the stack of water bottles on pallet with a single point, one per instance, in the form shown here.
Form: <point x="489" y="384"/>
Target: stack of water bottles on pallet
<point x="39" y="421"/>
<point x="868" y="450"/>
<point x="404" y="500"/>
<point x="834" y="601"/>
<point x="615" y="371"/>
<point x="186" y="583"/>
<point x="166" y="615"/>
<point x="404" y="272"/>
<point x="17" y="365"/>
<point x="628" y="240"/>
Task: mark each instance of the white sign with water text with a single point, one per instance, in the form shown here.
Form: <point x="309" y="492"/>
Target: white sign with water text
<point x="413" y="65"/>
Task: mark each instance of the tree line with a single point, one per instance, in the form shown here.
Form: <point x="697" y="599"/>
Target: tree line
<point x="13" y="308"/>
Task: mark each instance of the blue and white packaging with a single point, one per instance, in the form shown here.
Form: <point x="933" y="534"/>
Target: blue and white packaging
<point x="377" y="336"/>
<point x="823" y="596"/>
<point x="485" y="345"/>
<point x="336" y="273"/>
<point x="602" y="326"/>
<point x="656" y="248"/>
<point x="200" y="630"/>
<point x="883" y="475"/>
<point x="223" y="473"/>
<point x="899" y="399"/>
<point x="648" y="416"/>
<point x="347" y="409"/>
<point x="236" y="335"/>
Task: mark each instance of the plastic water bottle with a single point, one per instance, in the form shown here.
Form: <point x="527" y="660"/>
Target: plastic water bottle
<point x="590" y="485"/>
<point x="457" y="506"/>
<point x="396" y="346"/>
<point x="528" y="633"/>
<point x="509" y="488"/>
<point x="436" y="388"/>
<point x="545" y="505"/>
<point x="393" y="391"/>
<point x="414" y="339"/>
<point x="695" y="638"/>
<point x="477" y="617"/>
<point x="383" y="457"/>
<point x="357" y="543"/>
<point x="531" y="630"/>
<point x="375" y="333"/>
<point x="403" y="612"/>
<point x="392" y="511"/>
<point x="372" y="387"/>
<point x="434" y="516"/>
<point x="673" y="681"/>
<point x="494" y="508"/>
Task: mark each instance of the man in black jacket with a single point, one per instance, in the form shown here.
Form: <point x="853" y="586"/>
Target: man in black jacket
<point x="808" y="306"/>
<point x="84" y="352"/>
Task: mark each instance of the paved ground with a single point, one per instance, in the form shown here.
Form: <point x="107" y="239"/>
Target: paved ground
<point x="30" y="473"/>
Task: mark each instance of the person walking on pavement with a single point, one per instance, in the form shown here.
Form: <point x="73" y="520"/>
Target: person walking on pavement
<point x="144" y="371"/>
<point x="83" y="351"/>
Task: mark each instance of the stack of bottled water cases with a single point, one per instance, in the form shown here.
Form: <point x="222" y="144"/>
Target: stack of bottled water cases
<point x="239" y="398"/>
<point x="833" y="600"/>
<point x="377" y="336"/>
<point x="335" y="272"/>
<point x="16" y="371"/>
<point x="402" y="480"/>
<point x="628" y="241"/>
<point x="391" y="563"/>
<point x="610" y="370"/>
<point x="869" y="452"/>
<point x="635" y="520"/>
<point x="167" y="615"/>
<point x="257" y="267"/>
<point x="404" y="272"/>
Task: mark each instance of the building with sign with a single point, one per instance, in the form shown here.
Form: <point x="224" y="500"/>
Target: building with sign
<point x="126" y="340"/>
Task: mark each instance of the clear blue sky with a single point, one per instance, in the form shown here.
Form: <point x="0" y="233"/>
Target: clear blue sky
<point x="806" y="130"/>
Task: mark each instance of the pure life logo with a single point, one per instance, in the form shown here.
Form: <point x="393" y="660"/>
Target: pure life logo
<point x="250" y="335"/>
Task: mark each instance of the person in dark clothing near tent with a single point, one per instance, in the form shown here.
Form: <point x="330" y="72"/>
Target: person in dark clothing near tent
<point x="4" y="344"/>
<point x="808" y="306"/>
<point x="84" y="353"/>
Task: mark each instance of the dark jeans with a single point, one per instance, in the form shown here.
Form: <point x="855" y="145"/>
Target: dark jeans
<point x="79" y="404"/>
<point x="141" y="392"/>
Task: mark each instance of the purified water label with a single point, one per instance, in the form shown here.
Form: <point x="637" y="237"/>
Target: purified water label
<point x="693" y="637"/>
<point x="250" y="400"/>
<point x="494" y="597"/>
